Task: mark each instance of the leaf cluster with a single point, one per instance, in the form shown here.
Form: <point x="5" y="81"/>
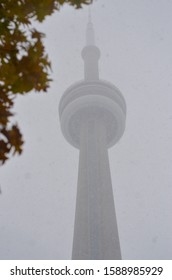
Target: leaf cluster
<point x="24" y="64"/>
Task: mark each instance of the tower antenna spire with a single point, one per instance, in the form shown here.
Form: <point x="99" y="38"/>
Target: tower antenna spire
<point x="90" y="36"/>
<point x="89" y="15"/>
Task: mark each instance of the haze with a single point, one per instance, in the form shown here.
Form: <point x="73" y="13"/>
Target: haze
<point x="37" y="203"/>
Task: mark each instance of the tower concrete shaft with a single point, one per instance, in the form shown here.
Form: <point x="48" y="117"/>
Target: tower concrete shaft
<point x="92" y="115"/>
<point x="95" y="229"/>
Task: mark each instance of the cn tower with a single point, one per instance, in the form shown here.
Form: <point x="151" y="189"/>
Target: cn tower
<point x="92" y="116"/>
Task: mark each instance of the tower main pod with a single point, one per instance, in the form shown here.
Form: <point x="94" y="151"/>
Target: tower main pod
<point x="92" y="115"/>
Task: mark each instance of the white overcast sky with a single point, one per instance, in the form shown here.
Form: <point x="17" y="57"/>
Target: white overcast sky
<point x="37" y="202"/>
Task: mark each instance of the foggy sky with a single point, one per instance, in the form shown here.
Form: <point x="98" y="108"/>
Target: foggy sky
<point x="37" y="203"/>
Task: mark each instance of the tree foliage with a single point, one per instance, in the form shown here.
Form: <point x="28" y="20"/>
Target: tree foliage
<point x="24" y="64"/>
